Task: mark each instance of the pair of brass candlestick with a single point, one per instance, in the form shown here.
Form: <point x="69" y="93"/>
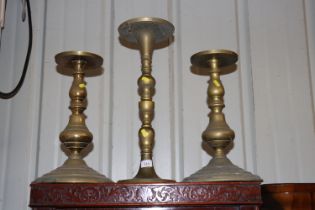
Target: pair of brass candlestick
<point x="146" y="33"/>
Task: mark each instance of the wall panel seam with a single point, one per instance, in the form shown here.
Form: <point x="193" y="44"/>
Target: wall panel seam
<point x="62" y="88"/>
<point x="41" y="86"/>
<point x="179" y="86"/>
<point x="171" y="95"/>
<point x="246" y="85"/>
<point x="8" y="128"/>
<point x="310" y="45"/>
<point x="111" y="85"/>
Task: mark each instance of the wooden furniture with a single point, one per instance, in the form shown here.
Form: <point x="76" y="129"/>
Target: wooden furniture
<point x="212" y="196"/>
<point x="293" y="196"/>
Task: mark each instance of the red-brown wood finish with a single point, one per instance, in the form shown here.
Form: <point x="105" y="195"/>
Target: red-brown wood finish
<point x="210" y="195"/>
<point x="290" y="196"/>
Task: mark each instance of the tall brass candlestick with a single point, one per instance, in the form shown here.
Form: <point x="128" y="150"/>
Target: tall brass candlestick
<point x="218" y="135"/>
<point x="146" y="32"/>
<point x="76" y="135"/>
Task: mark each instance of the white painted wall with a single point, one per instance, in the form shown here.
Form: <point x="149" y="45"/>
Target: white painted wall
<point x="269" y="100"/>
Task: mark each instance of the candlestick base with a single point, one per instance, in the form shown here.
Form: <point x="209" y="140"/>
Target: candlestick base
<point x="73" y="171"/>
<point x="221" y="169"/>
<point x="147" y="175"/>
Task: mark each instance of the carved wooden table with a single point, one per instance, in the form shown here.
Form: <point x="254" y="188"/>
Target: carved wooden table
<point x="213" y="196"/>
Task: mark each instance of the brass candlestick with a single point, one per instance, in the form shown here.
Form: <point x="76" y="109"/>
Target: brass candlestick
<point x="76" y="135"/>
<point x="146" y="32"/>
<point x="218" y="135"/>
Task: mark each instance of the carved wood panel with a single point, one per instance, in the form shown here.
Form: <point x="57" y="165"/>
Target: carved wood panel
<point x="217" y="195"/>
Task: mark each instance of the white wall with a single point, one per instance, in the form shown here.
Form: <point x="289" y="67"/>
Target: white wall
<point x="269" y="100"/>
<point x="19" y="124"/>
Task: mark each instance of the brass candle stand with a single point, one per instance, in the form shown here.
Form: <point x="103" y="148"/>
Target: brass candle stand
<point x="146" y="33"/>
<point x="76" y="135"/>
<point x="218" y="135"/>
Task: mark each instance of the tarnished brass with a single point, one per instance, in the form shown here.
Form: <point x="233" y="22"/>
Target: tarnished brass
<point x="76" y="135"/>
<point x="146" y="33"/>
<point x="218" y="135"/>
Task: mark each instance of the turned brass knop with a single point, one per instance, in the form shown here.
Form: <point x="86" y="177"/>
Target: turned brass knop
<point x="76" y="135"/>
<point x="218" y="134"/>
<point x="146" y="33"/>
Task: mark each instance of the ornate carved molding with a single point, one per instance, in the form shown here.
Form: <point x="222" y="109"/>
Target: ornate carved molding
<point x="44" y="194"/>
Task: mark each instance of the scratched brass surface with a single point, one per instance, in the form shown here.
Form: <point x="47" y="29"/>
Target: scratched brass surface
<point x="218" y="135"/>
<point x="146" y="33"/>
<point x="76" y="136"/>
